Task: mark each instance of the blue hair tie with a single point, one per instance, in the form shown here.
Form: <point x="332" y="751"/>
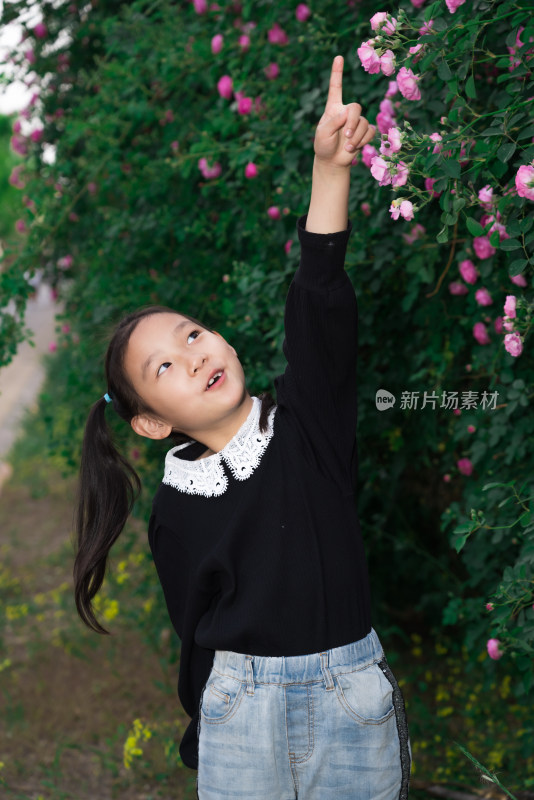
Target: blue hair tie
<point x="107" y="398"/>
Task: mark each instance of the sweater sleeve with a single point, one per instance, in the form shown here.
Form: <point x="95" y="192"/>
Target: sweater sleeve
<point x="318" y="389"/>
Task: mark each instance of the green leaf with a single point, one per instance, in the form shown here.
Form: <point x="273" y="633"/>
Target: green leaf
<point x="474" y="227"/>
<point x="493" y="485"/>
<point x="470" y="89"/>
<point x="444" y="71"/>
<point x="526" y="132"/>
<point x="525" y="519"/>
<point x="517" y="266"/>
<point x="443" y="235"/>
<point x="451" y="167"/>
<point x="511" y="244"/>
<point x="458" y="203"/>
<point x="506" y="151"/>
<point x="495" y="239"/>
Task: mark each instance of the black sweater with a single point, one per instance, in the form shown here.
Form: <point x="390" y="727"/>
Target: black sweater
<point x="258" y="548"/>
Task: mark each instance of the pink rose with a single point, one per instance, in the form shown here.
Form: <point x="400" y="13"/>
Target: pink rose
<point x="418" y="3"/>
<point x="464" y="466"/>
<point x="480" y="333"/>
<point x="251" y="170"/>
<point x="387" y="62"/>
<point x="513" y="344"/>
<point x="52" y="347"/>
<point x="65" y="262"/>
<point x="485" y="196"/>
<point x="482" y="247"/>
<point x="368" y="57"/>
<point x="524" y="182"/>
<point x="302" y="13"/>
<point x="40" y="30"/>
<point x="20" y="226"/>
<point x="429" y="183"/>
<point x="380" y="171"/>
<point x="510" y="306"/>
<point x="401" y="208"/>
<point x="519" y="280"/>
<point x="92" y="188"/>
<point x="244" y="42"/>
<point x="426" y="28"/>
<point x="272" y="71"/>
<point x="216" y="44"/>
<point x="244" y="105"/>
<point x="483" y="297"/>
<point x="468" y="271"/>
<point x="498" y="325"/>
<point x="489" y="606"/>
<point x="380" y="22"/>
<point x="201" y="6"/>
<point x="19" y="144"/>
<point x="407" y="83"/>
<point x="493" y="644"/>
<point x="277" y="35"/>
<point x="366" y="209"/>
<point x="393" y="88"/>
<point x="273" y="212"/>
<point x="30" y="56"/>
<point x="471" y="429"/>
<point x="457" y="287"/>
<point x="393" y="144"/>
<point x="452" y="5"/>
<point x="287" y="246"/>
<point x="384" y="121"/>
<point x="368" y="153"/>
<point x="416" y="233"/>
<point x="386" y="107"/>
<point x="224" y="87"/>
<point x="400" y="174"/>
<point x="435" y="137"/>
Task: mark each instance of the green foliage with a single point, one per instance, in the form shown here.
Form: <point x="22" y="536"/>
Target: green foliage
<point x="125" y="217"/>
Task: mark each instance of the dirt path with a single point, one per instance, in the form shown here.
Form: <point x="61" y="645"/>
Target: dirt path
<point x="21" y="380"/>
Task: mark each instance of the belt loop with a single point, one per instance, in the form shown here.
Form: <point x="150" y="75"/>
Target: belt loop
<point x="250" y="676"/>
<point x="326" y="672"/>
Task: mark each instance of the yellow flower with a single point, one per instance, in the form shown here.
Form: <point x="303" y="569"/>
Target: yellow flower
<point x="111" y="609"/>
<point x="440" y="650"/>
<point x="445" y="712"/>
<point x="16" y="612"/>
<point x="5" y="664"/>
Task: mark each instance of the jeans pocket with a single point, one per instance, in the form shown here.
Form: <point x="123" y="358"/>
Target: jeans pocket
<point x="221" y="698"/>
<point x="365" y="695"/>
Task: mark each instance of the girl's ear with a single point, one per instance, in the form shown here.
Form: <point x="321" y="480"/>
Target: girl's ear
<point x="150" y="427"/>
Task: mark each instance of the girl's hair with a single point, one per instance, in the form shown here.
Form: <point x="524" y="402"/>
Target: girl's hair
<point x="109" y="485"/>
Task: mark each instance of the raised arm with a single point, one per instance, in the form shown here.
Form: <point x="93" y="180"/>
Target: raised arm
<point x="341" y="131"/>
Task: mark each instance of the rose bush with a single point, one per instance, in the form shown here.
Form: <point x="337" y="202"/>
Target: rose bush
<point x="157" y="147"/>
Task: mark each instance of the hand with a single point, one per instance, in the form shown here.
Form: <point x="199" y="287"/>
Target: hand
<point x="332" y="146"/>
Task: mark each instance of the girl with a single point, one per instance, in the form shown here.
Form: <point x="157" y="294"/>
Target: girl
<point x="254" y="528"/>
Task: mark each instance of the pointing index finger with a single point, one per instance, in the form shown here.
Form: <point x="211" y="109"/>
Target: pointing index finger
<point x="336" y="78"/>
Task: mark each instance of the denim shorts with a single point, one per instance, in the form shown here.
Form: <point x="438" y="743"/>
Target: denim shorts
<point x="325" y="726"/>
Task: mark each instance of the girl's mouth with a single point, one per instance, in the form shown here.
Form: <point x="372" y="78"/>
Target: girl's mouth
<point x="216" y="379"/>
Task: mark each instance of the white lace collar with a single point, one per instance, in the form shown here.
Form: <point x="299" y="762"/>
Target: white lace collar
<point x="242" y="454"/>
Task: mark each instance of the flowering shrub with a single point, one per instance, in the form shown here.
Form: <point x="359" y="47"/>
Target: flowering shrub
<point x="182" y="140"/>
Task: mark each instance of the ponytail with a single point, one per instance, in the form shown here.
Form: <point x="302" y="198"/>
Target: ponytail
<point x="108" y="488"/>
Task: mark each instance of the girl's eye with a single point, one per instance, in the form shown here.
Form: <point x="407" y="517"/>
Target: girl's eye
<point x="194" y="334"/>
<point x="161" y="370"/>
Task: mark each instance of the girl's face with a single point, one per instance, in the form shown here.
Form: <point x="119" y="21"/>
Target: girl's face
<point x="171" y="363"/>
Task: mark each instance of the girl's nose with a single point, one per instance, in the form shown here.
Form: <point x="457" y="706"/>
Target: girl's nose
<point x="196" y="363"/>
